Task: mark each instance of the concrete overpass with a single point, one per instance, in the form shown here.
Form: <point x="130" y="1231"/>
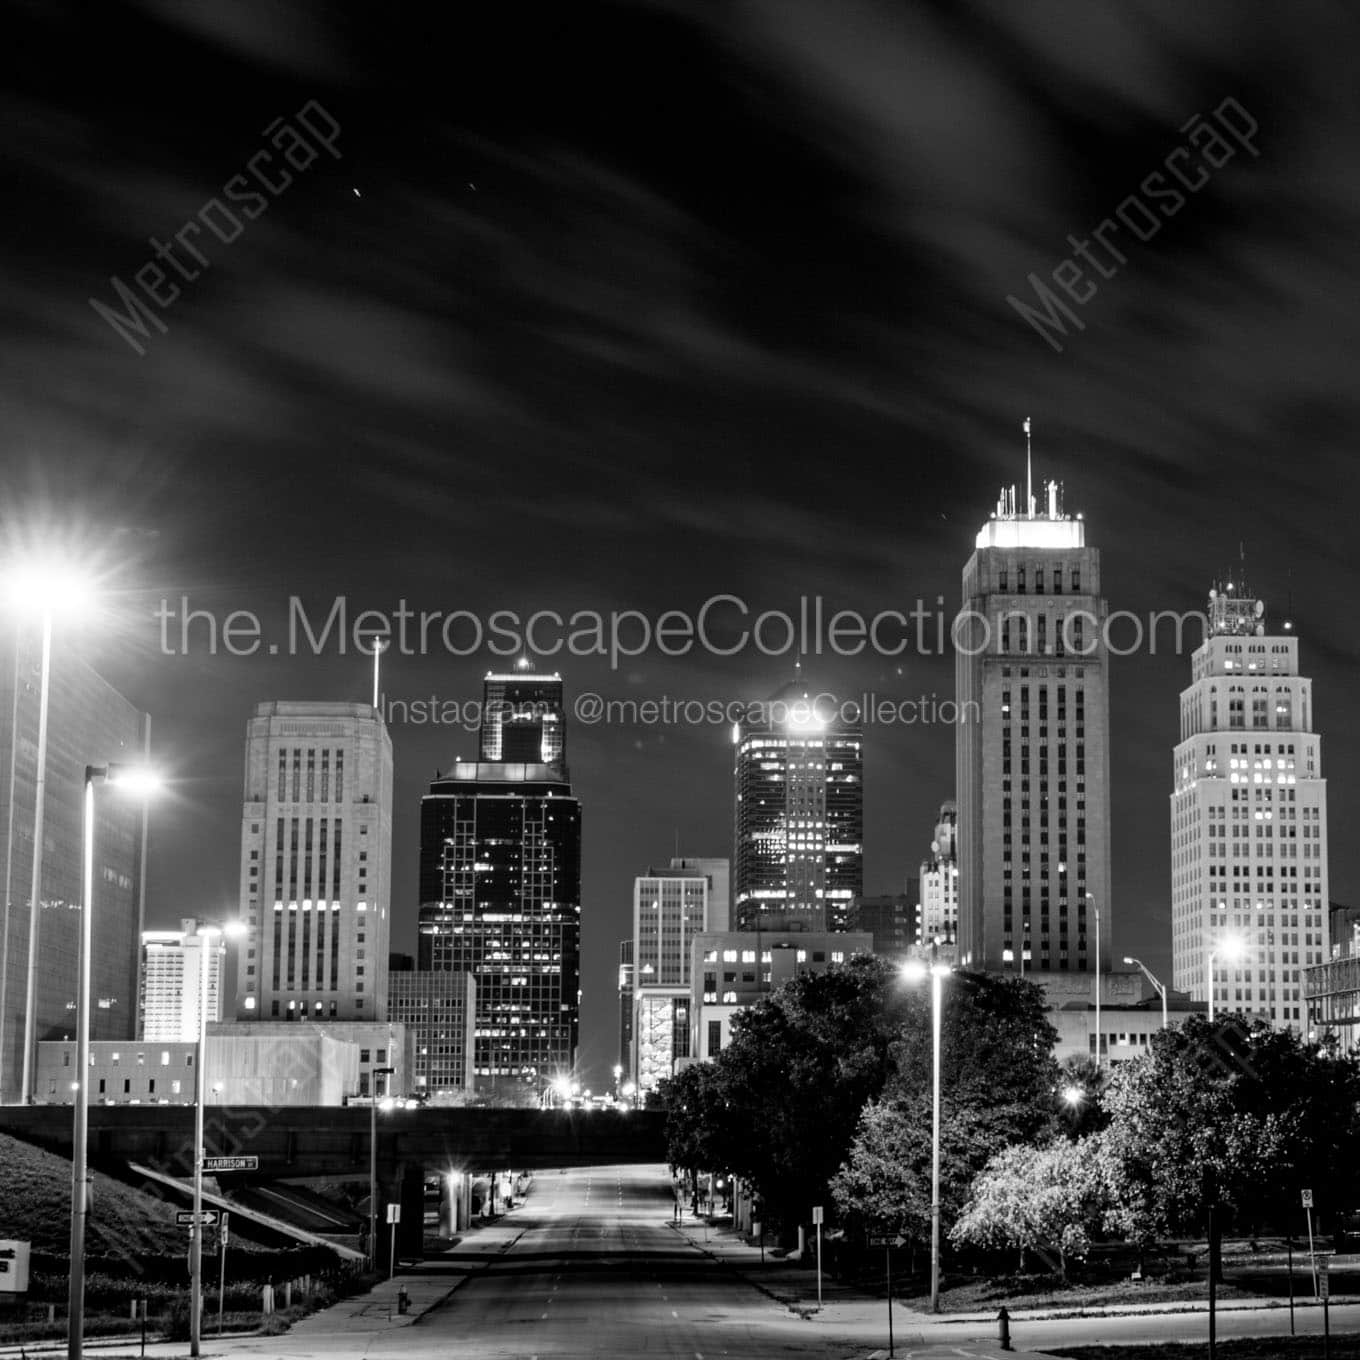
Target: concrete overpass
<point x="297" y="1142"/>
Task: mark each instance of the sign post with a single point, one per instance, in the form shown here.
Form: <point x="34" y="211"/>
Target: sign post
<point x="1326" y="1309"/>
<point x="393" y="1218"/>
<point x="817" y="1216"/>
<point x="222" y="1271"/>
<point x="887" y="1243"/>
<point x="1312" y="1253"/>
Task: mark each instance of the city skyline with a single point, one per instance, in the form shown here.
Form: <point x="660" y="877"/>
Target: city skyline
<point x="545" y="357"/>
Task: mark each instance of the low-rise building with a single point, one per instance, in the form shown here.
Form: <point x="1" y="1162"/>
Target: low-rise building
<point x="731" y="970"/>
<point x="438" y="1008"/>
<point x="1130" y="1013"/>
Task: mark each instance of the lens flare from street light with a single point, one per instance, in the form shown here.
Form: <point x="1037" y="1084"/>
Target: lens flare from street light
<point x="1231" y="947"/>
<point x="1073" y="1095"/>
<point x="142" y="781"/>
<point x="914" y="970"/>
<point x="48" y="583"/>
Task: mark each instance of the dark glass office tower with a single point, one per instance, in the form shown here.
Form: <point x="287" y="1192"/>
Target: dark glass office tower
<point x="799" y="855"/>
<point x="500" y="885"/>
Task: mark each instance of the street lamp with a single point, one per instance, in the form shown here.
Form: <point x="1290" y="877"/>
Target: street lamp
<point x="373" y="1162"/>
<point x="915" y="970"/>
<point x="1147" y="973"/>
<point x="1091" y="904"/>
<point x="207" y="933"/>
<point x="1229" y="948"/>
<point x="1073" y="1095"/>
<point x="46" y="587"/>
<point x="134" y="780"/>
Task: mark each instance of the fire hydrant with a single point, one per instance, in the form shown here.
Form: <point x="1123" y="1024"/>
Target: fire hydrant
<point x="1003" y="1325"/>
<point x="403" y="1300"/>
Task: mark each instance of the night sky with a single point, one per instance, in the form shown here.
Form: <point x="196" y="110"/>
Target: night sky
<point x="623" y="307"/>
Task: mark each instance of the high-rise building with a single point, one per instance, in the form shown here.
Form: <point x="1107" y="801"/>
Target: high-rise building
<point x="500" y="884"/>
<point x="937" y="920"/>
<point x="1032" y="744"/>
<point x="439" y="1010"/>
<point x="316" y="850"/>
<point x="172" y="983"/>
<point x="1248" y="819"/>
<point x="670" y="907"/>
<point x="799" y="814"/>
<point x="89" y="723"/>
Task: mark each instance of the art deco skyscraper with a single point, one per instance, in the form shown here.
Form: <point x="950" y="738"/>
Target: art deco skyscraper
<point x="799" y="815"/>
<point x="1248" y="819"/>
<point x="500" y="884"/>
<point x="1032" y="743"/>
<point x="938" y="918"/>
<point x="316" y="849"/>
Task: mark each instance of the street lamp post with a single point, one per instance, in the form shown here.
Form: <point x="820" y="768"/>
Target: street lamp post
<point x="137" y="781"/>
<point x="1160" y="987"/>
<point x="35" y="877"/>
<point x="914" y="971"/>
<point x="1091" y="905"/>
<point x="373" y="1162"/>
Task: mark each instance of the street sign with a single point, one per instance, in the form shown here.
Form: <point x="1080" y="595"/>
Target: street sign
<point x="817" y="1216"/>
<point x="394" y="1213"/>
<point x="1307" y="1199"/>
<point x="231" y="1164"/>
<point x="185" y="1218"/>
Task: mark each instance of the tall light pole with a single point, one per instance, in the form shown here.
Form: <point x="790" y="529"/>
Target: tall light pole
<point x="914" y="971"/>
<point x="1091" y="904"/>
<point x="1148" y="973"/>
<point x="50" y="586"/>
<point x="137" y="781"/>
<point x="375" y="1073"/>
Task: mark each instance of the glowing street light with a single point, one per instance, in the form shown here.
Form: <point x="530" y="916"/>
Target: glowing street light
<point x="1073" y="1095"/>
<point x="915" y="971"/>
<point x="135" y="781"/>
<point x="1230" y="948"/>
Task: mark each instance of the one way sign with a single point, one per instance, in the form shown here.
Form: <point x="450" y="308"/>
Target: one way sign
<point x="185" y="1218"/>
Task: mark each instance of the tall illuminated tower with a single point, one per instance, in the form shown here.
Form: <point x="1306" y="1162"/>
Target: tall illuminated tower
<point x="799" y="861"/>
<point x="500" y="884"/>
<point x="1248" y="819"/>
<point x="1032" y="743"/>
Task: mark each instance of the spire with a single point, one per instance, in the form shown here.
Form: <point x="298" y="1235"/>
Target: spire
<point x="1029" y="474"/>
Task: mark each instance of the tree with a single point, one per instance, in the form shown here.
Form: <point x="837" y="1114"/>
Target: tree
<point x="884" y="1183"/>
<point x="997" y="1079"/>
<point x="1045" y="1199"/>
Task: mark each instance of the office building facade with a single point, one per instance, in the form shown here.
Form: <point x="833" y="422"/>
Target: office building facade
<point x="316" y="848"/>
<point x="439" y="1011"/>
<point x="1248" y="820"/>
<point x="799" y="820"/>
<point x="500" y="887"/>
<point x="89" y="723"/>
<point x="670" y="907"/>
<point x="172" y="986"/>
<point x="1032" y="744"/>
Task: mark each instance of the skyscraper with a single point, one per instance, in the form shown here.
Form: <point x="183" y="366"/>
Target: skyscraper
<point x="670" y="907"/>
<point x="172" y="983"/>
<point x="799" y="815"/>
<point x="89" y="723"/>
<point x="500" y="884"/>
<point x="316" y="850"/>
<point x="1032" y="743"/>
<point x="938" y="916"/>
<point x="1248" y="819"/>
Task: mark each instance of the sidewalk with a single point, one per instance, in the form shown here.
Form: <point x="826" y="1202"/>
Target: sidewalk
<point x="429" y="1285"/>
<point x="795" y="1286"/>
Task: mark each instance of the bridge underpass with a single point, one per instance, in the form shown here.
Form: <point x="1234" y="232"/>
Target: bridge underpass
<point x="310" y="1142"/>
